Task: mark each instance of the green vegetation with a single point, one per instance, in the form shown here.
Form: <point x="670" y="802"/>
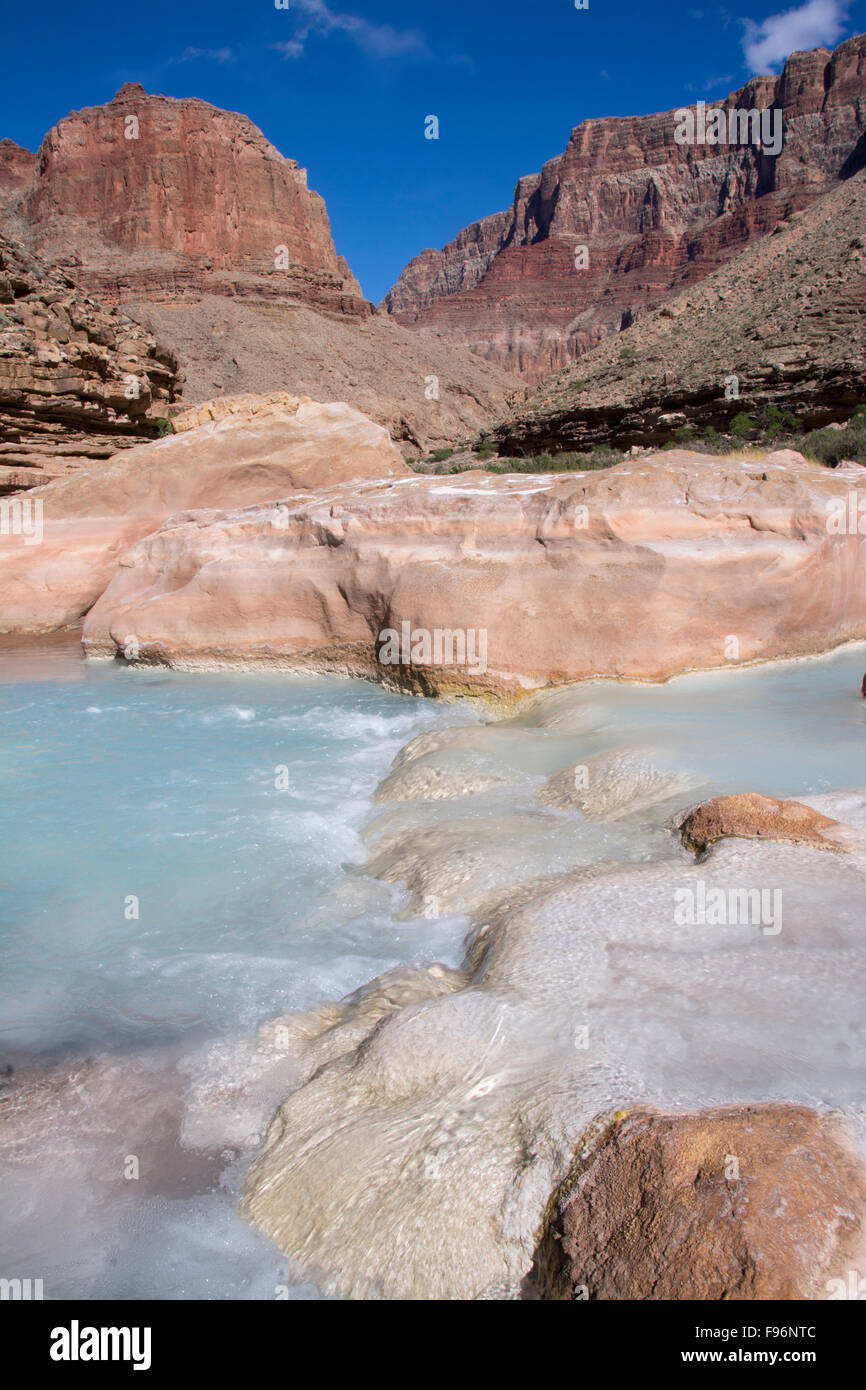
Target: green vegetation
<point x="769" y="425"/>
<point x="163" y="426"/>
<point x="558" y="463"/>
<point x="832" y="446"/>
<point x="769" y="428"/>
<point x="772" y="428"/>
<point x="744" y="426"/>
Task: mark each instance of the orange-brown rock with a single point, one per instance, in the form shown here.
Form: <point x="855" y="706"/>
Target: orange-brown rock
<point x="654" y="215"/>
<point x="748" y="816"/>
<point x="751" y="1202"/>
<point x="77" y="381"/>
<point x="16" y="172"/>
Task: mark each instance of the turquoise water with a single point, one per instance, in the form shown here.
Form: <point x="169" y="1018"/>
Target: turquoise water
<point x="163" y="788"/>
<point x="179" y="862"/>
<point x="121" y="783"/>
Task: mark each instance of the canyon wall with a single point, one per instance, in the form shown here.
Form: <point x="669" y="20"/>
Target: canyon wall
<point x="654" y="215"/>
<point x="782" y="325"/>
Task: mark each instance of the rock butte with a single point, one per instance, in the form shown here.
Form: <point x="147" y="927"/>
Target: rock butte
<point x="154" y="197"/>
<point x="212" y="240"/>
<point x="655" y="216"/>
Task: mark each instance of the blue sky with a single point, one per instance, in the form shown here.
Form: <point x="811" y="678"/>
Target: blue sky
<point x="344" y="86"/>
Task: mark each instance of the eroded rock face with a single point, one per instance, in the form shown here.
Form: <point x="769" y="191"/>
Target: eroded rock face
<point x="156" y="197"/>
<point x="752" y="1202"/>
<point x="77" y="381"/>
<point x="639" y="571"/>
<point x="653" y="214"/>
<point x="251" y="455"/>
<point x="782" y="324"/>
<point x="752" y="817"/>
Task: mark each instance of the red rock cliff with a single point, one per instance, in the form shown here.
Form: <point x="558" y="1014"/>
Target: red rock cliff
<point x="654" y="215"/>
<point x="152" y="197"/>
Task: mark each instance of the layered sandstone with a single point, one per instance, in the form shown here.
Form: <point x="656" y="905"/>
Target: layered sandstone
<point x="78" y="381"/>
<point x="154" y="197"/>
<point x="782" y="324"/>
<point x="654" y="215"/>
<point x="639" y="571"/>
<point x="16" y="173"/>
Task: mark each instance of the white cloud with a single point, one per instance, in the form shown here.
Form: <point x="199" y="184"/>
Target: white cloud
<point x="375" y="40"/>
<point x="214" y="55"/>
<point x="818" y="23"/>
<point x="710" y="84"/>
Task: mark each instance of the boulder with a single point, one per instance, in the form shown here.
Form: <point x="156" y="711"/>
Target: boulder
<point x="251" y="456"/>
<point x="748" y="816"/>
<point x="743" y="1202"/>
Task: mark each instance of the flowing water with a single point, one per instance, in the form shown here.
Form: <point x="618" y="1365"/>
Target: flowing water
<point x="182" y="860"/>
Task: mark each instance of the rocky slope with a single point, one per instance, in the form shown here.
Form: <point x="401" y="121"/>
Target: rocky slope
<point x="373" y="364"/>
<point x="784" y="324"/>
<point x="654" y="216"/>
<point x="77" y="381"/>
<point x="212" y="240"/>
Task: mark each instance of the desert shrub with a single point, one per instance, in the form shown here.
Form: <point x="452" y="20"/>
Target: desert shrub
<point x="832" y="446"/>
<point x="602" y="457"/>
<point x="744" y="426"/>
<point x="775" y="422"/>
<point x="440" y="455"/>
<point x="487" y="451"/>
<point x="163" y="426"/>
